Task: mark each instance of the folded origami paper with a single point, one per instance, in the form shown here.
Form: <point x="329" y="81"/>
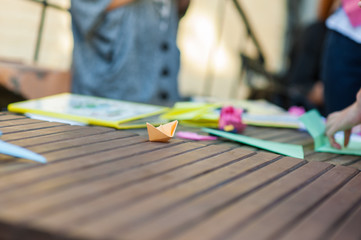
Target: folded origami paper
<point x="162" y="133"/>
<point x="230" y="119"/>
<point x="316" y="127"/>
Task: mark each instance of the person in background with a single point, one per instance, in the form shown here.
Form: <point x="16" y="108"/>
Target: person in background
<point x="306" y="86"/>
<point x="342" y="71"/>
<point x="126" y="49"/>
<point x="341" y="66"/>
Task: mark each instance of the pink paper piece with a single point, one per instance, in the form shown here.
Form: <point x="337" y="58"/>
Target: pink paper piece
<point x="353" y="11"/>
<point x="296" y="111"/>
<point x="194" y="136"/>
<point x="230" y="120"/>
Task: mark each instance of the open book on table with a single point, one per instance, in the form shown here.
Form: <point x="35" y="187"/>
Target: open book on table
<point x="91" y="110"/>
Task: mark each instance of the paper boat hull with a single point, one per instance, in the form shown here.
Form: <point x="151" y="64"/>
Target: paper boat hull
<point x="163" y="133"/>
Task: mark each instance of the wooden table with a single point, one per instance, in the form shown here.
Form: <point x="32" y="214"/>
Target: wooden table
<point x="102" y="183"/>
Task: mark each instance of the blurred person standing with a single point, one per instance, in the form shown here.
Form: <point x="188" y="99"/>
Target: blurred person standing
<point x="126" y="49"/>
<point x="341" y="67"/>
<point x="342" y="73"/>
<point x="306" y="87"/>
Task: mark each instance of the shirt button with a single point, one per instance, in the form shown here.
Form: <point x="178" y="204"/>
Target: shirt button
<point x="163" y="95"/>
<point x="165" y="72"/>
<point x="164" y="46"/>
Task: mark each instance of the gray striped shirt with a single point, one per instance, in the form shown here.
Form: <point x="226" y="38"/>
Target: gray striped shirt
<point x="129" y="53"/>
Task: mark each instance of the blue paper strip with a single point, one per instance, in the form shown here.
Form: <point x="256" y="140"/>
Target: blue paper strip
<point x="20" y="152"/>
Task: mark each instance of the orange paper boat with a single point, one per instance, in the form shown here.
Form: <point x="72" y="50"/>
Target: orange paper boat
<point x="162" y="133"/>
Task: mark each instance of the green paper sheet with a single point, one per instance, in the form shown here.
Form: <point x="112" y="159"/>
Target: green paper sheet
<point x="291" y="150"/>
<point x="316" y="127"/>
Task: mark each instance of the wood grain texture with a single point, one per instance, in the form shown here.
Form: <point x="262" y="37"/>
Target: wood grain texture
<point x="102" y="183"/>
<point x="320" y="223"/>
<point x="282" y="217"/>
<point x="239" y="213"/>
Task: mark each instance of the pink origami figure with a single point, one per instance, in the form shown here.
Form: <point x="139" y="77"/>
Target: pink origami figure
<point x="230" y="120"/>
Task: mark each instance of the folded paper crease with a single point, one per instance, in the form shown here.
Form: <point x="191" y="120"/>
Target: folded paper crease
<point x="162" y="133"/>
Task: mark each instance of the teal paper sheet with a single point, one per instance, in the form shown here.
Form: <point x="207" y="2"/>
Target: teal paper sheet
<point x="316" y="127"/>
<point x="291" y="150"/>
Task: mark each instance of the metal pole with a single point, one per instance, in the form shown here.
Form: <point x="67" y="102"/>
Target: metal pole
<point x="41" y="24"/>
<point x="249" y="31"/>
<point x="40" y="31"/>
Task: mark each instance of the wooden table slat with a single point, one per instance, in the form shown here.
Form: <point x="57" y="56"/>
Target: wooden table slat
<point x="19" y="121"/>
<point x="295" y="208"/>
<point x="214" y="200"/>
<point x="6" y="117"/>
<point x="203" y="182"/>
<point x="183" y="178"/>
<point x="74" y="193"/>
<point x="81" y="142"/>
<point x="243" y="211"/>
<point x="21" y="128"/>
<point x="37" y="132"/>
<point x="345" y="160"/>
<point x="350" y="228"/>
<point x="102" y="183"/>
<point x="73" y="151"/>
<point x="326" y="218"/>
<point x="84" y="164"/>
<point x="44" y="185"/>
<point x="355" y="164"/>
<point x="72" y="133"/>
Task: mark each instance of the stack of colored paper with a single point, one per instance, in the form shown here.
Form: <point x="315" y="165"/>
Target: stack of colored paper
<point x="194" y="114"/>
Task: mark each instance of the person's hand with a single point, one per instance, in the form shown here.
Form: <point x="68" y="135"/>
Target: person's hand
<point x="344" y="121"/>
